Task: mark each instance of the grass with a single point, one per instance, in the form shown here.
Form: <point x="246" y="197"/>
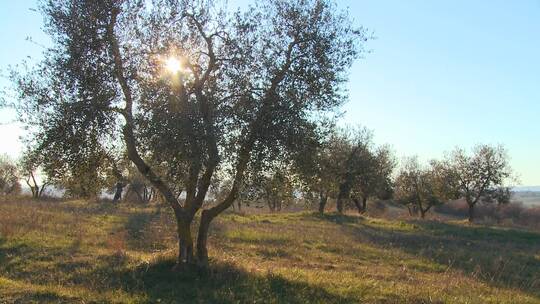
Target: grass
<point x="80" y="252"/>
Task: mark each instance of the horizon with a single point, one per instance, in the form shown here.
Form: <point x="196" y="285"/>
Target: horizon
<point x="439" y="75"/>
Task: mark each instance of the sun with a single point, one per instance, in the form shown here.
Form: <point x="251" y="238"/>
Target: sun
<point x="173" y="65"/>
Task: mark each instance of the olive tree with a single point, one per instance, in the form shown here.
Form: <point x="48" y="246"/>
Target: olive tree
<point x="275" y="187"/>
<point x="346" y="164"/>
<point x="422" y="187"/>
<point x="29" y="168"/>
<point x="482" y="175"/>
<point x="188" y="89"/>
<point x="9" y="176"/>
<point x="319" y="167"/>
<point x="374" y="178"/>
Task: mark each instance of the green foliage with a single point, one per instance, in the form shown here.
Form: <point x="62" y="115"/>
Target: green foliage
<point x="482" y="175"/>
<point x="421" y="188"/>
<point x="9" y="176"/>
<point x="252" y="88"/>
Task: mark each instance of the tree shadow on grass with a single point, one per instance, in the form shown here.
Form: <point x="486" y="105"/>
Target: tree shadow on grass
<point x="222" y="283"/>
<point x="147" y="282"/>
<point x="335" y="217"/>
<point x="20" y="261"/>
<point x="39" y="297"/>
<point x="500" y="257"/>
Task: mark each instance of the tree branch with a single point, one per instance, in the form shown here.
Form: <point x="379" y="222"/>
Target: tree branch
<point x="129" y="136"/>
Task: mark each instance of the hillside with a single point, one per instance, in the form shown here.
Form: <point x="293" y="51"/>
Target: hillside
<point x="83" y="252"/>
<point x="528" y="198"/>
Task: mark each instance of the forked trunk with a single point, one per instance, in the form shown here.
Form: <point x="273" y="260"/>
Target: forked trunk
<point x="35" y="191"/>
<point x="361" y="206"/>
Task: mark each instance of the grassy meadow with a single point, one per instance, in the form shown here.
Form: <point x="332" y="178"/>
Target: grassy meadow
<point x="89" y="252"/>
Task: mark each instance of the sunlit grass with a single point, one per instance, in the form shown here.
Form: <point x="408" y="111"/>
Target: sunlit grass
<point x="77" y="251"/>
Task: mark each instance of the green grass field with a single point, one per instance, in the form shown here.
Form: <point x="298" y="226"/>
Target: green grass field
<point x="81" y="252"/>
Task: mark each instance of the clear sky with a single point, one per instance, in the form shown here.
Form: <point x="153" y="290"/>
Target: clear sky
<point x="440" y="74"/>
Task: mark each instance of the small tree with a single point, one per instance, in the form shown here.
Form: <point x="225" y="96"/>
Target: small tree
<point x="276" y="188"/>
<point x="29" y="167"/>
<point x="319" y="167"/>
<point x="9" y="178"/>
<point x="354" y="147"/>
<point x="347" y="164"/>
<point x="421" y="188"/>
<point x="374" y="179"/>
<point x="481" y="176"/>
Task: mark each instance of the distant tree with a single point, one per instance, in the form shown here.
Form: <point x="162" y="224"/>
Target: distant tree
<point x="374" y="177"/>
<point x="481" y="176"/>
<point x="29" y="168"/>
<point x="421" y="188"/>
<point x="118" y="173"/>
<point x="347" y="165"/>
<point x="354" y="148"/>
<point x="276" y="188"/>
<point x="79" y="178"/>
<point x="319" y="167"/>
<point x="138" y="188"/>
<point x="236" y="86"/>
<point x="9" y="178"/>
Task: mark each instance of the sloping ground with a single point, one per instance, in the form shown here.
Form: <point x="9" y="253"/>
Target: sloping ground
<point x="78" y="252"/>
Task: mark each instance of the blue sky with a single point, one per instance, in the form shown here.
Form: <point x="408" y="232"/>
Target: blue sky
<point x="440" y="74"/>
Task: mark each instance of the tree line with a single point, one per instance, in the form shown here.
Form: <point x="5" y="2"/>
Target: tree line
<point x="248" y="113"/>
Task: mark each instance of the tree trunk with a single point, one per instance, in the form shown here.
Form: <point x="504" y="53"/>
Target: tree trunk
<point x="271" y="205"/>
<point x="146" y="194"/>
<point x="360" y="206"/>
<point x="185" y="242"/>
<point x="35" y="191"/>
<point x="118" y="193"/>
<point x="344" y="192"/>
<point x="357" y="204"/>
<point x="471" y="213"/>
<point x="339" y="203"/>
<point x="413" y="209"/>
<point x="40" y="193"/>
<point x="422" y="213"/>
<point x="364" y="204"/>
<point x="202" y="237"/>
<point x="322" y="202"/>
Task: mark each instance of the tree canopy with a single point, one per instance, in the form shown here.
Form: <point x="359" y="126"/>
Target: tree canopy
<point x="187" y="88"/>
